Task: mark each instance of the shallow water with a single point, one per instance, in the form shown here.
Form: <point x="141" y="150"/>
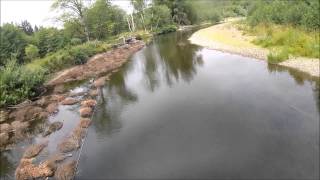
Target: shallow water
<point x="181" y="111"/>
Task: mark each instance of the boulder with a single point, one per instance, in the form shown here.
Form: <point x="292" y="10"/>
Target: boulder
<point x="5" y="127"/>
<point x="34" y="150"/>
<point x="85" y="111"/>
<point x="69" y="101"/>
<point x="66" y="171"/>
<point x="28" y="170"/>
<point x="89" y="103"/>
<point x="52" y="108"/>
<point x="4" y="138"/>
<point x="85" y="122"/>
<point x="99" y="82"/>
<point x="69" y="144"/>
<point x="55" y="126"/>
<point x="94" y="93"/>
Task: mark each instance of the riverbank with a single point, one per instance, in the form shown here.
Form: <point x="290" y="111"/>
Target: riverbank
<point x="228" y="38"/>
<point x="37" y="121"/>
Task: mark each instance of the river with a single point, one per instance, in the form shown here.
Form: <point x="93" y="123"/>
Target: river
<point x="177" y="110"/>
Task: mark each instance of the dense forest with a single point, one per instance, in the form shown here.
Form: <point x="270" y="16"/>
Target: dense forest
<point x="29" y="53"/>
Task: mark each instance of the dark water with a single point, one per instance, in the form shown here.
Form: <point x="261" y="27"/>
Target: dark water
<point x="181" y="111"/>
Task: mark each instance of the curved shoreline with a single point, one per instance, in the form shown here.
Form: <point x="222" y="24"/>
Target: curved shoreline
<point x="226" y="38"/>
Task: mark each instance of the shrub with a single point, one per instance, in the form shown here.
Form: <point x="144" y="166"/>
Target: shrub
<point x="166" y="29"/>
<point x="278" y="55"/>
<point x="32" y="52"/>
<point x="18" y="83"/>
<point x="75" y="41"/>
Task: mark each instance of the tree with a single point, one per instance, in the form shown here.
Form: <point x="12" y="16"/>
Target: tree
<point x="75" y="9"/>
<point x="26" y="27"/>
<point x="158" y="16"/>
<point x="32" y="52"/>
<point x="13" y="42"/>
<point x="139" y="8"/>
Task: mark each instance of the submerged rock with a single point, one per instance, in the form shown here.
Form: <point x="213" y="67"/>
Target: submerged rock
<point x="19" y="126"/>
<point x="89" y="103"/>
<point x="5" y="128"/>
<point x="52" y="108"/>
<point x="94" y="93"/>
<point x="34" y="150"/>
<point x="85" y="122"/>
<point x="66" y="171"/>
<point x="69" y="144"/>
<point x="85" y="112"/>
<point x="69" y="101"/>
<point x="4" y="138"/>
<point x="99" y="82"/>
<point x="55" y="126"/>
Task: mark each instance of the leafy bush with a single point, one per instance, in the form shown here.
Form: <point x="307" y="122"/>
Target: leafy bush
<point x="278" y="55"/>
<point x="297" y="42"/>
<point x="75" y="41"/>
<point x="166" y="29"/>
<point x="32" y="52"/>
<point x="18" y="83"/>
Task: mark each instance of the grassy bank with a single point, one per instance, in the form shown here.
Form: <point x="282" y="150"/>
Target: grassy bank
<point x="284" y="41"/>
<point x="18" y="83"/>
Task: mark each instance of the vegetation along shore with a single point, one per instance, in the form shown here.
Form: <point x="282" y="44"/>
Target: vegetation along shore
<point x="271" y="33"/>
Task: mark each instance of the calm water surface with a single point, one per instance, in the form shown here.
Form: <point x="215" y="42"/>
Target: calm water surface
<point x="181" y="111"/>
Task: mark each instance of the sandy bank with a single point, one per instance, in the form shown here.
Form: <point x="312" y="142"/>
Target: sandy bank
<point x="227" y="38"/>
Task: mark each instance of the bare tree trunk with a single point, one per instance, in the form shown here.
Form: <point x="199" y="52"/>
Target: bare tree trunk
<point x="129" y="25"/>
<point x="133" y="25"/>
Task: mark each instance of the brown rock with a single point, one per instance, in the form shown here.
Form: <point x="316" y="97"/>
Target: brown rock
<point x="43" y="115"/>
<point x="55" y="126"/>
<point x="78" y="133"/>
<point x="28" y="170"/>
<point x="3" y="116"/>
<point x="89" y="103"/>
<point x="85" y="122"/>
<point x="5" y="127"/>
<point x="94" y="93"/>
<point x="58" y="89"/>
<point x="18" y="126"/>
<point x="57" y="97"/>
<point x="99" y="82"/>
<point x="52" y="108"/>
<point x="34" y="150"/>
<point x="85" y="112"/>
<point x="68" y="144"/>
<point x="4" y="137"/>
<point x="66" y="171"/>
<point x="69" y="101"/>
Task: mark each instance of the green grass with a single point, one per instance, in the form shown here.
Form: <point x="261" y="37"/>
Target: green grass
<point x="285" y="41"/>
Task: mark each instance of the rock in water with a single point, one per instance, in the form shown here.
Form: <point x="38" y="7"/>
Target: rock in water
<point x="55" y="126"/>
<point x="85" y="122"/>
<point x="85" y="112"/>
<point x="5" y="128"/>
<point x="4" y="137"/>
<point x="89" y="103"/>
<point x="66" y="171"/>
<point x="34" y="150"/>
<point x="27" y="170"/>
<point x="69" y="101"/>
<point x="68" y="145"/>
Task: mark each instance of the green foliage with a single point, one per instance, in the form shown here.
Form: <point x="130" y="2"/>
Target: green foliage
<point x="278" y="55"/>
<point x="297" y="13"/>
<point x="18" y="83"/>
<point x="49" y="40"/>
<point x="290" y="40"/>
<point x="75" y="41"/>
<point x="13" y="42"/>
<point x="166" y="29"/>
<point x="32" y="52"/>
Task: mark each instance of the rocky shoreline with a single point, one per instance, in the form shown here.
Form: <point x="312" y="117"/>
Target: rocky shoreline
<point x="45" y="157"/>
<point x="307" y="65"/>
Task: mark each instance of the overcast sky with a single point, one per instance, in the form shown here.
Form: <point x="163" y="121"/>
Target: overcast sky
<point x="38" y="12"/>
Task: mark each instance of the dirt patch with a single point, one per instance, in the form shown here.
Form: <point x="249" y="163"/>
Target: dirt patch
<point x="97" y="65"/>
<point x="66" y="171"/>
